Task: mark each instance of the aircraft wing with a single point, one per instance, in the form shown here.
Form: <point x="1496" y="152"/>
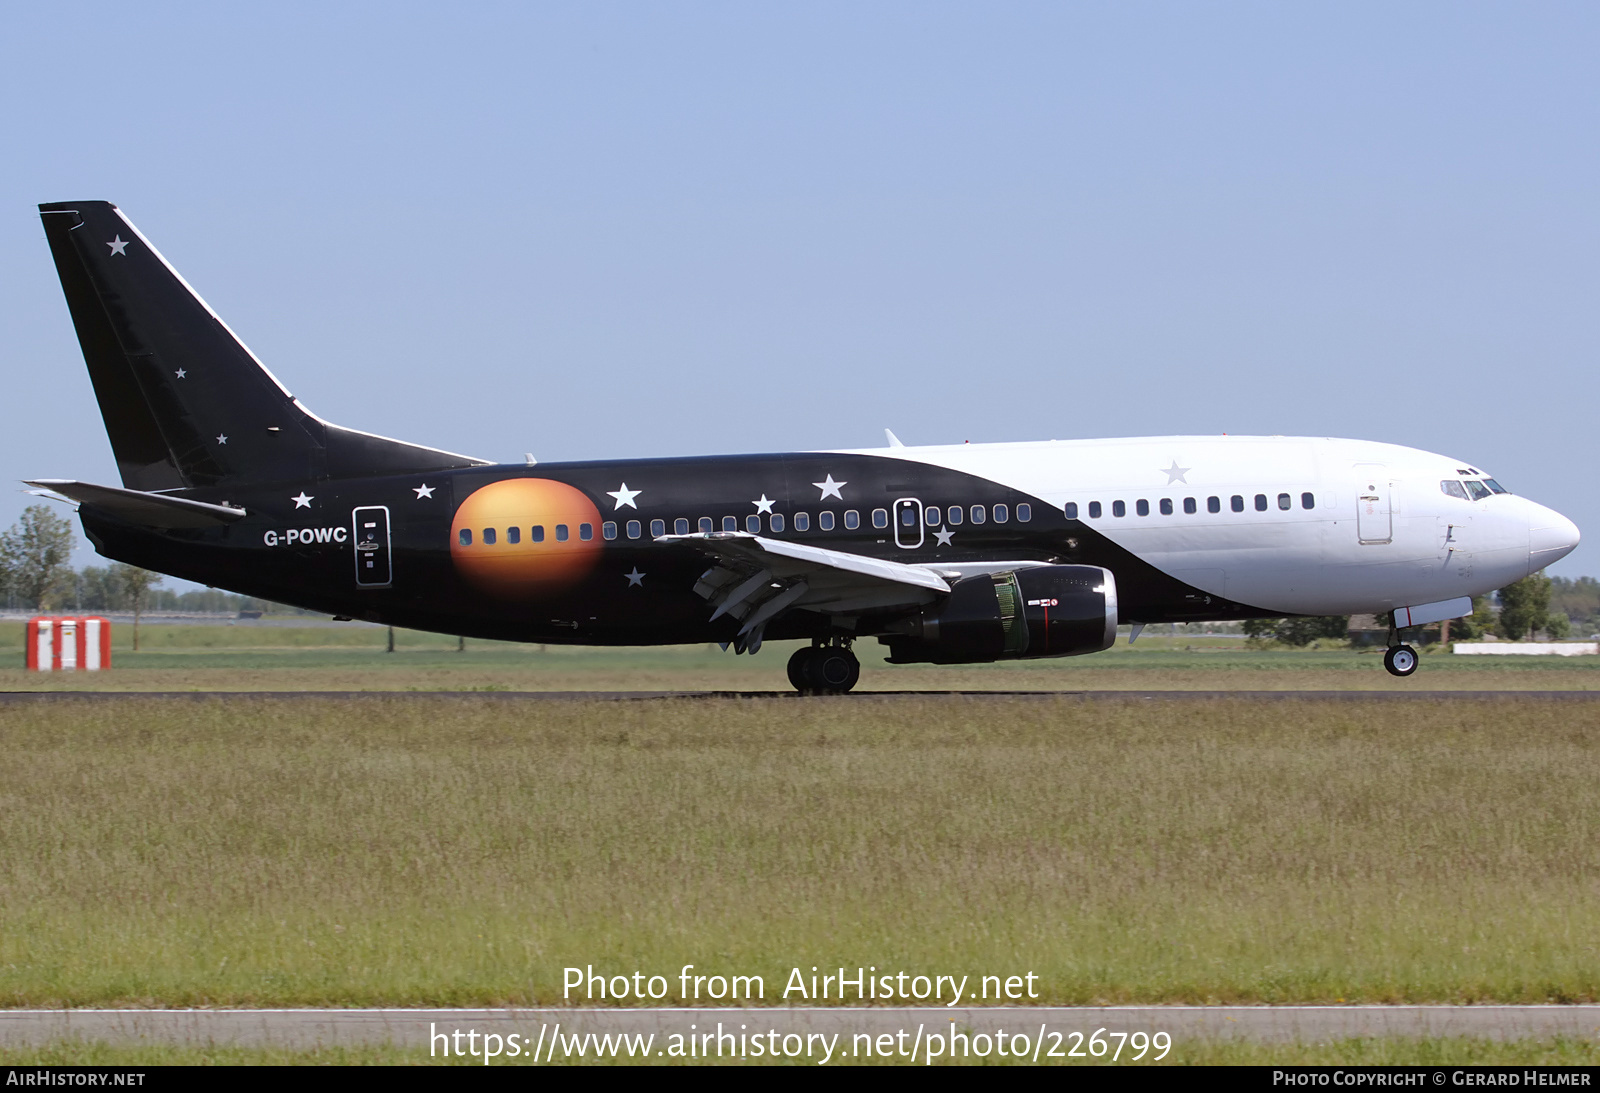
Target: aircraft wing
<point x="754" y="579"/>
<point x="155" y="510"/>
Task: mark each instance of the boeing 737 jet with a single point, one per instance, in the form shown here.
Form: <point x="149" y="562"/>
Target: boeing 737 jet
<point x="951" y="554"/>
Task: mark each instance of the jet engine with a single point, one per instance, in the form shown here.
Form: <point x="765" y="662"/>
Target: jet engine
<point x="1039" y="611"/>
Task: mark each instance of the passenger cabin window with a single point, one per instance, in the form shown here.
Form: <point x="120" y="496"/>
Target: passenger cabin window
<point x="1213" y="504"/>
<point x="513" y="535"/>
<point x="1094" y="510"/>
<point x="825" y="520"/>
<point x="802" y="521"/>
<point x="1024" y="512"/>
<point x="608" y="529"/>
<point x="1308" y="500"/>
<point x="1070" y="510"/>
<point x="1118" y="509"/>
<point x="880" y="517"/>
<point x="1284" y="502"/>
<point x="488" y="536"/>
<point x="1001" y="514"/>
<point x="730" y="523"/>
<point x="634" y="529"/>
<point x="978" y="515"/>
<point x="1476" y="490"/>
<point x="852" y="519"/>
<point x="752" y="524"/>
<point x="536" y="533"/>
<point x="681" y="526"/>
<point x="776" y="520"/>
<point x="1166" y="506"/>
<point x="1189" y="505"/>
<point x="562" y="535"/>
<point x="1261" y="502"/>
<point x="1142" y="507"/>
<point x="707" y="525"/>
<point x="465" y="537"/>
<point x="930" y="515"/>
<point x="586" y="532"/>
<point x="657" y="527"/>
<point x="953" y="517"/>
<point x="1237" y="502"/>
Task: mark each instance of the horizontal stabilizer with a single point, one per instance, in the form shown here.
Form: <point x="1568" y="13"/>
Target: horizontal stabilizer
<point x="156" y="510"/>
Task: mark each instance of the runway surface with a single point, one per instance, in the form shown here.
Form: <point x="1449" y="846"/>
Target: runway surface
<point x="304" y="1028"/>
<point x="861" y="696"/>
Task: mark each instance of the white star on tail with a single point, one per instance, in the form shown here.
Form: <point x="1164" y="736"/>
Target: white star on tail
<point x="763" y="505"/>
<point x="624" y="496"/>
<point x="222" y="438"/>
<point x="635" y="579"/>
<point x="422" y="491"/>
<point x="180" y="373"/>
<point x="830" y="488"/>
<point x="303" y="501"/>
<point x="118" y="246"/>
<point x="944" y="536"/>
<point x="1175" y="473"/>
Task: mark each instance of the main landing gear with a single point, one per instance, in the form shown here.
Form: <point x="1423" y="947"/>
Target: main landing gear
<point x="1400" y="660"/>
<point x="824" y="669"/>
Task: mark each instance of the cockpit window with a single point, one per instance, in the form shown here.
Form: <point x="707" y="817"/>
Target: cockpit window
<point x="1475" y="489"/>
<point x="1453" y="488"/>
<point x="1495" y="486"/>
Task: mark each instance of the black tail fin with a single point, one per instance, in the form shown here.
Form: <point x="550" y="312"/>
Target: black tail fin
<point x="185" y="403"/>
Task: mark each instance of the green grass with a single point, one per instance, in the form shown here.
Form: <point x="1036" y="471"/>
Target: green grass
<point x="411" y="852"/>
<point x="353" y="658"/>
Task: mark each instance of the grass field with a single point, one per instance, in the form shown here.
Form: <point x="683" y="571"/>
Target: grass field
<point x="406" y="851"/>
<point x="353" y="658"/>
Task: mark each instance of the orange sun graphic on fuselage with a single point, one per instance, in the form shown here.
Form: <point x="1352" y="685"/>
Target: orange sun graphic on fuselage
<point x="525" y="538"/>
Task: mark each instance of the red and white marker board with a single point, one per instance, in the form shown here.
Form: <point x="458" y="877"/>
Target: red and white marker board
<point x="75" y="643"/>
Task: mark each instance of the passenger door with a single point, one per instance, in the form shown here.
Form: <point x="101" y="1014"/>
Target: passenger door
<point x="1374" y="519"/>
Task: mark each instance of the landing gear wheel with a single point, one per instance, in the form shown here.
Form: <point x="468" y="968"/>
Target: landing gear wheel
<point x="824" y="670"/>
<point x="1400" y="660"/>
<point x="797" y="668"/>
<point x="833" y="670"/>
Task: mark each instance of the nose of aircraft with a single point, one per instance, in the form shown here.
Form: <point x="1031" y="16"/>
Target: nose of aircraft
<point x="1551" y="537"/>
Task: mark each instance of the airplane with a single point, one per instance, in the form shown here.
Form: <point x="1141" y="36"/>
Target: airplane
<point x="948" y="554"/>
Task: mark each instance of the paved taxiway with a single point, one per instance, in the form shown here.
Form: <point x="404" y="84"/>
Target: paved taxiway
<point x="303" y="1028"/>
<point x="859" y="696"/>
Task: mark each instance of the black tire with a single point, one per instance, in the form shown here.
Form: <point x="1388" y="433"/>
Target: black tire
<point x="833" y="671"/>
<point x="799" y="663"/>
<point x="1400" y="660"/>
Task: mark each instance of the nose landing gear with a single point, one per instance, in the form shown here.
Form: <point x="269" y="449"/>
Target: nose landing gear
<point x="830" y="669"/>
<point x="1400" y="660"/>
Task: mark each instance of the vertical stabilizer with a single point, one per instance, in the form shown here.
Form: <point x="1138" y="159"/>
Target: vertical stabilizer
<point x="184" y="401"/>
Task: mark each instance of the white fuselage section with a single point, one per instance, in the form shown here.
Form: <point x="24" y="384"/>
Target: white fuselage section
<point x="1320" y="526"/>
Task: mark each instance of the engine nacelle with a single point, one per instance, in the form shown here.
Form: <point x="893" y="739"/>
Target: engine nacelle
<point x="1040" y="611"/>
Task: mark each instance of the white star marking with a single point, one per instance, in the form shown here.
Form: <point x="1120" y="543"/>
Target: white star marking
<point x="624" y="496"/>
<point x="944" y="536"/>
<point x="222" y="438"/>
<point x="422" y="491"/>
<point x="830" y="488"/>
<point x="763" y="505"/>
<point x="118" y="246"/>
<point x="1175" y="473"/>
<point x="635" y="579"/>
<point x="302" y="502"/>
<point x="180" y="373"/>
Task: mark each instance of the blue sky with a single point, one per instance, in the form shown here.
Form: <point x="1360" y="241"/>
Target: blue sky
<point x="591" y="230"/>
